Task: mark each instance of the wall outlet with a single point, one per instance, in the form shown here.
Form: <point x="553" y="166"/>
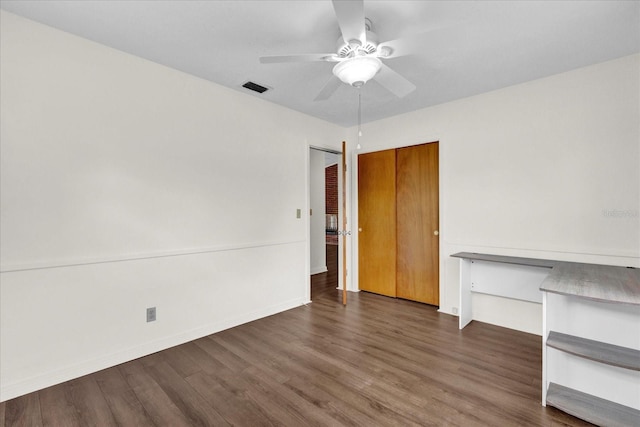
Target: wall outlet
<point x="151" y="314"/>
<point x="454" y="310"/>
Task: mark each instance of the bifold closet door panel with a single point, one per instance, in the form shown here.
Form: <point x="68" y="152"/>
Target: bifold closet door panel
<point x="417" y="269"/>
<point x="377" y="222"/>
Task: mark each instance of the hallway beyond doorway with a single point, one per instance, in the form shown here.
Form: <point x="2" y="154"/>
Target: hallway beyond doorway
<point x="327" y="282"/>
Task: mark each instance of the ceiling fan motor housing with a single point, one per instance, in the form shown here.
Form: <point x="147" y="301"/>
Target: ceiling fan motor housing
<point x="356" y="48"/>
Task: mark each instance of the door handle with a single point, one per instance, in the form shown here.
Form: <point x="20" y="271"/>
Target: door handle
<point x="436" y="233"/>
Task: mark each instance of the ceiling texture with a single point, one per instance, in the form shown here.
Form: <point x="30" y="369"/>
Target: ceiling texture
<point x="462" y="48"/>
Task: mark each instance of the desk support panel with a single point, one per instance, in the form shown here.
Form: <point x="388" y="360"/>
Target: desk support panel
<point x="465" y="315"/>
<point x="499" y="276"/>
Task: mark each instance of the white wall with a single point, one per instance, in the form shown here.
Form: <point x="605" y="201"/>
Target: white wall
<point x="317" y="220"/>
<point x="545" y="169"/>
<point x="126" y="185"/>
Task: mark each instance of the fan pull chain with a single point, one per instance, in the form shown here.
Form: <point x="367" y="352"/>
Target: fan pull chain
<point x="359" y="117"/>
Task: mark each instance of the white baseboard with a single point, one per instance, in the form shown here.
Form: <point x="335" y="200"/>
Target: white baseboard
<point x="38" y="382"/>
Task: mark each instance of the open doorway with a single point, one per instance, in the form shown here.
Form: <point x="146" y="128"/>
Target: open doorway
<point x="325" y="201"/>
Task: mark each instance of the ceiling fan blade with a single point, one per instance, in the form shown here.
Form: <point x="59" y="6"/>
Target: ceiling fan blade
<point x="394" y="82"/>
<point x="350" y="14"/>
<point x="310" y="57"/>
<point x="332" y="85"/>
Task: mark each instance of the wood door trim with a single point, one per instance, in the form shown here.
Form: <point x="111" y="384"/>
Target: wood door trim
<point x="344" y="223"/>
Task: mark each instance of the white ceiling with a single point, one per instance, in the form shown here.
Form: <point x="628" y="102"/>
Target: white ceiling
<point x="469" y="47"/>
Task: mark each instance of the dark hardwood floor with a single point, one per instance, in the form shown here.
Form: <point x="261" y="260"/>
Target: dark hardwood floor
<point x="325" y="284"/>
<point x="376" y="362"/>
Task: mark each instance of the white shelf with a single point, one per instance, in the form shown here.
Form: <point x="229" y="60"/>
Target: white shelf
<point x="597" y="351"/>
<point x="590" y="408"/>
<point x="591" y="360"/>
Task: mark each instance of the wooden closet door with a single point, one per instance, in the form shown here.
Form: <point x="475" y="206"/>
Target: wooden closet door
<point x="377" y="222"/>
<point x="417" y="276"/>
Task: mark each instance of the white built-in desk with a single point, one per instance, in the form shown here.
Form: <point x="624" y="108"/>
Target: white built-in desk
<point x="591" y="329"/>
<point x="505" y="276"/>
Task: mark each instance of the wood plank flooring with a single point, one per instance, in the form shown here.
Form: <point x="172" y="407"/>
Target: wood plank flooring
<point x="376" y="362"/>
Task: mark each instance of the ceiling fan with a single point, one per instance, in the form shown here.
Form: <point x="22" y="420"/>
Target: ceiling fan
<point x="359" y="54"/>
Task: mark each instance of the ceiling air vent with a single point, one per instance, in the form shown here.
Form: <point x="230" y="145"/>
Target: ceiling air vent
<point x="255" y="87"/>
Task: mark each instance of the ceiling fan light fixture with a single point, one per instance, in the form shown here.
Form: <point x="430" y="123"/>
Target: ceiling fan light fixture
<point x="358" y="70"/>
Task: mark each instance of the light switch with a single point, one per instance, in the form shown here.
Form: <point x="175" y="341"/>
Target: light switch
<point x="298" y="213"/>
